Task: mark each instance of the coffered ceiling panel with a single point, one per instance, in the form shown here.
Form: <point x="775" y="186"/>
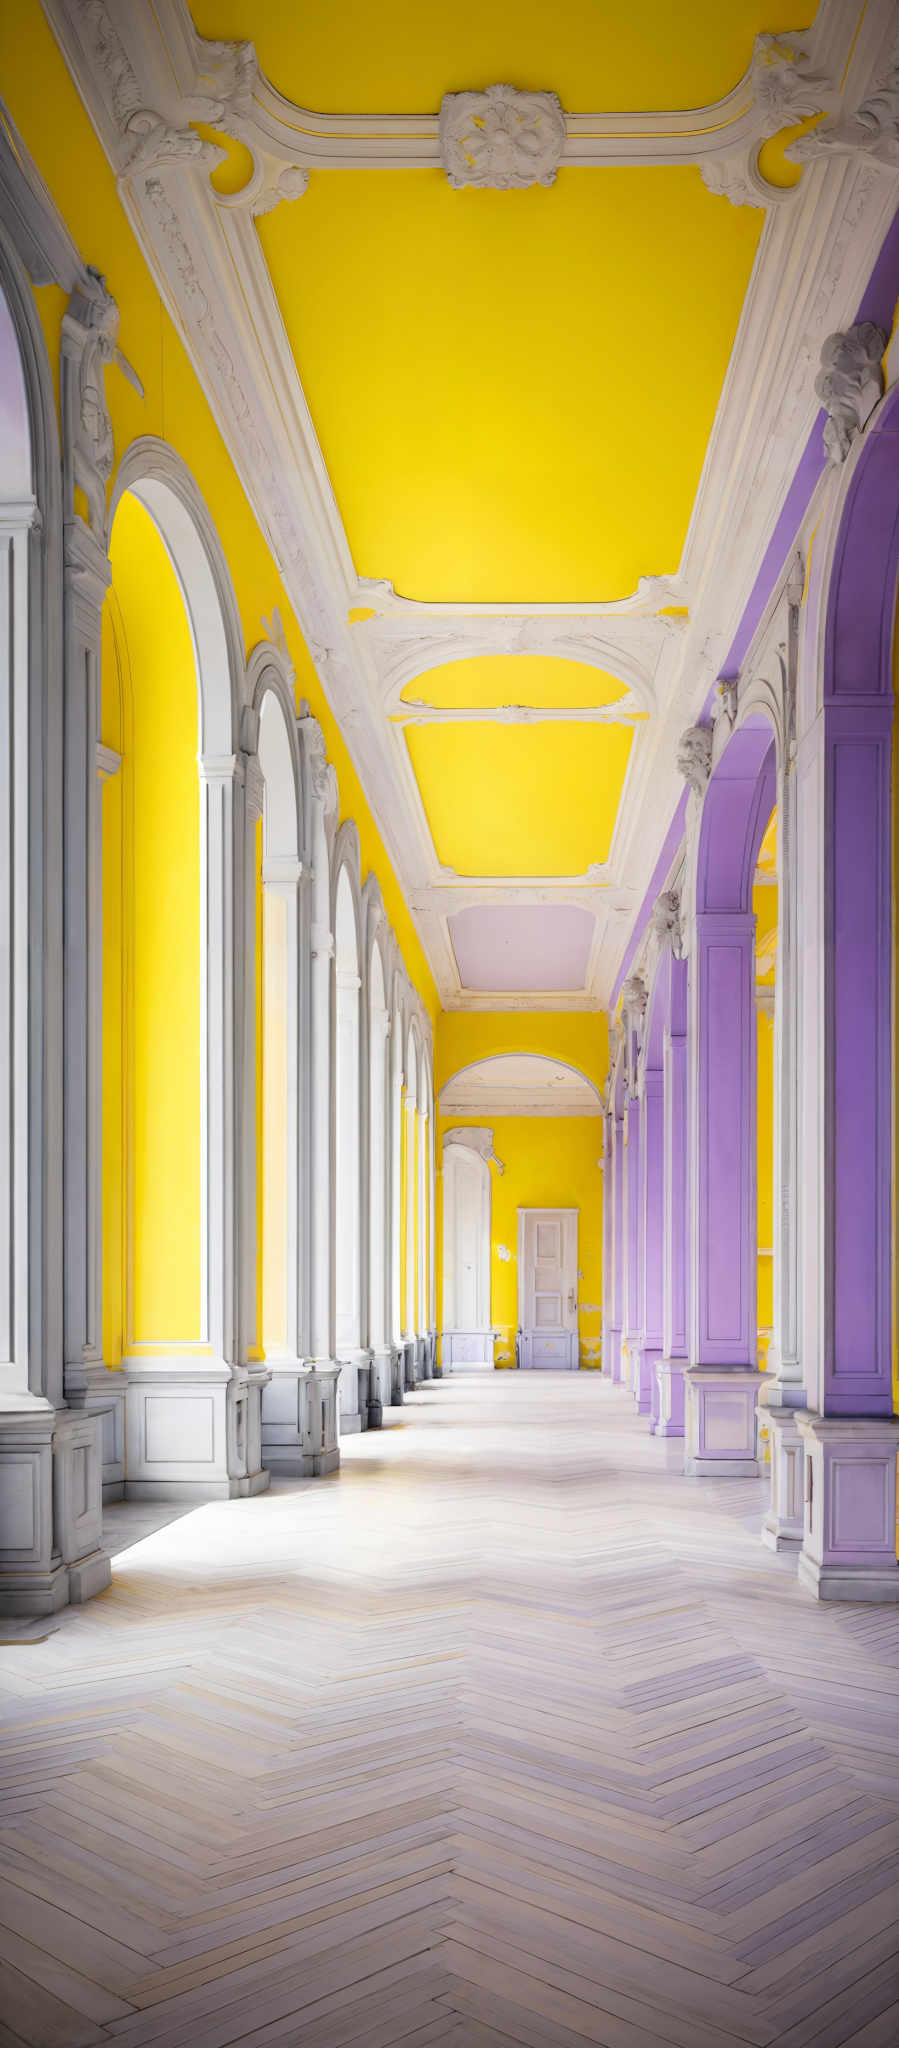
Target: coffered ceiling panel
<point x="516" y="384"/>
<point x="520" y="799"/>
<point x="522" y="945"/>
<point x="512" y="391"/>
<point x="401" y="56"/>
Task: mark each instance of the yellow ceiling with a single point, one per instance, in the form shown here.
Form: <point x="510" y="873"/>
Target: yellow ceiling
<point x="513" y="391"/>
<point x="520" y="799"/>
<point x="489" y="680"/>
<point x="401" y="56"/>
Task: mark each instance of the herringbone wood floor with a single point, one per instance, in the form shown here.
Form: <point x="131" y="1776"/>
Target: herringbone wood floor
<point x="508" y="1733"/>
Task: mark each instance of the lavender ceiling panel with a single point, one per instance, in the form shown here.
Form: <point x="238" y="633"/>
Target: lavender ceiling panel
<point x="522" y="946"/>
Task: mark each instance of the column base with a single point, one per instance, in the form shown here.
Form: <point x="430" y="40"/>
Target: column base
<point x="782" y="1526"/>
<point x="719" y="1422"/>
<point x="193" y="1429"/>
<point x="397" y="1375"/>
<point x="299" y="1418"/>
<point x="409" y="1380"/>
<point x="613" y="1356"/>
<point x="849" y="1519"/>
<point x="380" y="1386"/>
<point x="51" y="1507"/>
<point x="669" y="1376"/>
<point x="353" y="1391"/>
<point x="104" y="1397"/>
<point x="643" y="1379"/>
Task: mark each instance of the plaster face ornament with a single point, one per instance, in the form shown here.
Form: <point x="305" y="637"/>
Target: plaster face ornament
<point x="849" y="384"/>
<point x="92" y="324"/>
<point x="665" y="919"/>
<point x="633" y="996"/>
<point x="501" y="138"/>
<point x="694" y="756"/>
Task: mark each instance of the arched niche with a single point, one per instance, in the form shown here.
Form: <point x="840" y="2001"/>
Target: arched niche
<point x="214" y="798"/>
<point x="467" y="1336"/>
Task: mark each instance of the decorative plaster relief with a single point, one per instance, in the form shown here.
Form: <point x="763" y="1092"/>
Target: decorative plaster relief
<point x="694" y="756"/>
<point x="480" y="1141"/>
<point x="633" y="996"/>
<point x="90" y="330"/>
<point x="664" y="920"/>
<point x="501" y="138"/>
<point x="873" y="130"/>
<point x="503" y="1252"/>
<point x="850" y="383"/>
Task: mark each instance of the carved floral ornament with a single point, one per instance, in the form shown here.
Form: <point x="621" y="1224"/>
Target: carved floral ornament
<point x="475" y="1138"/>
<point x="501" y="138"/>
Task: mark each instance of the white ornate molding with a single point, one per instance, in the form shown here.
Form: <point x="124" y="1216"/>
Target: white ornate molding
<point x="90" y="330"/>
<point x="872" y="130"/>
<point x="816" y="252"/>
<point x="477" y="1138"/>
<point x="849" y="384"/>
<point x="501" y="138"/>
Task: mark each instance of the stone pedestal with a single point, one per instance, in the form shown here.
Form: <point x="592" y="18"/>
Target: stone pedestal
<point x="669" y="1377"/>
<point x="719" y="1422"/>
<point x="849" y="1507"/>
<point x="50" y="1507"/>
<point x="353" y="1391"/>
<point x="299" y="1418"/>
<point x="380" y="1391"/>
<point x="397" y="1375"/>
<point x="612" y="1363"/>
<point x="782" y="1526"/>
<point x="104" y="1398"/>
<point x="193" y="1429"/>
<point x="409" y="1364"/>
<point x="643" y="1378"/>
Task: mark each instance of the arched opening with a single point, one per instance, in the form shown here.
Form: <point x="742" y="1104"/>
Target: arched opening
<point x="178" y="1145"/>
<point x="153" y="1115"/>
<point x="347" y="1264"/>
<point x="765" y="904"/>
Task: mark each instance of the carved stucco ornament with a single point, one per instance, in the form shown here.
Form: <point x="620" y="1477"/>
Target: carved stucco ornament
<point x="785" y="91"/>
<point x="501" y="138"/>
<point x="872" y="131"/>
<point x="694" y="756"/>
<point x="849" y="384"/>
<point x="90" y="336"/>
<point x="477" y="1138"/>
<point x="634" y="996"/>
<point x="664" y="920"/>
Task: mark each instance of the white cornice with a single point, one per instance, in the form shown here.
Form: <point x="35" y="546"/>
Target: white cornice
<point x="145" y="76"/>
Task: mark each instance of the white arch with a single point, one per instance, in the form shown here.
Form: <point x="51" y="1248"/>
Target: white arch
<point x="520" y="1084"/>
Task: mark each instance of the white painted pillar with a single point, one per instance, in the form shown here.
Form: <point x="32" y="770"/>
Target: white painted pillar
<point x="320" y="1132"/>
<point x="378" y="1276"/>
<point x="395" y="1200"/>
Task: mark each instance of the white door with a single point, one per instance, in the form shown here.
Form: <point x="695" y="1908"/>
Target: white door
<point x="547" y="1288"/>
<point x="467" y="1334"/>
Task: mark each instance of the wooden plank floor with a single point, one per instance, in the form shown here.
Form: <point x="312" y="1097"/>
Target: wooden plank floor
<point x="507" y="1733"/>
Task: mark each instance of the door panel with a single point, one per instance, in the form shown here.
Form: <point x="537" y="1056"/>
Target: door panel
<point x="547" y="1284"/>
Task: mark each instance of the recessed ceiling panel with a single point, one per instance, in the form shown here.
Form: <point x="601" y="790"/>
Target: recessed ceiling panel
<point x="489" y="680"/>
<point x="520" y="799"/>
<point x="400" y="57"/>
<point x="521" y="946"/>
<point x="513" y="391"/>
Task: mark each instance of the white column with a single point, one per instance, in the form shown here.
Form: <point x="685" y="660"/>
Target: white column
<point x="411" y="1184"/>
<point x="395" y="1200"/>
<point x="378" y="1275"/>
<point x="432" y="1234"/>
<point x="320" y="1132"/>
<point x="422" y="1297"/>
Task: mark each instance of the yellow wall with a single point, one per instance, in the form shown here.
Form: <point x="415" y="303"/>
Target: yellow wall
<point x="46" y="107"/>
<point x="550" y="1162"/>
<point x="765" y="1307"/>
<point x="151" y="987"/>
<point x="580" y="1037"/>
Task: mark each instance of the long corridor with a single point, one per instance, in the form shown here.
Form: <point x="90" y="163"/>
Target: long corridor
<point x="504" y="1733"/>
